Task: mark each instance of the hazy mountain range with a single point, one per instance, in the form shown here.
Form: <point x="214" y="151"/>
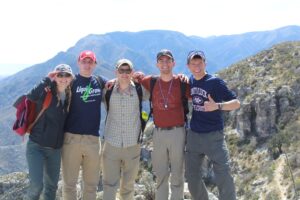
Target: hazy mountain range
<point x="263" y="135"/>
<point x="141" y="48"/>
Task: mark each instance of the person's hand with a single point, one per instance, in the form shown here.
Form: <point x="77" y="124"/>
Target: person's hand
<point x="47" y="89"/>
<point x="109" y="84"/>
<point x="138" y="76"/>
<point x="52" y="75"/>
<point x="210" y="105"/>
<point x="183" y="78"/>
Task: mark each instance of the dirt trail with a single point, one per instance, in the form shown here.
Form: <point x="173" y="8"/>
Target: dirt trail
<point x="278" y="177"/>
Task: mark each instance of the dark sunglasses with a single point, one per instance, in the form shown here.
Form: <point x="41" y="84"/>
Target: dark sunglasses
<point x="124" y="71"/>
<point x="61" y="75"/>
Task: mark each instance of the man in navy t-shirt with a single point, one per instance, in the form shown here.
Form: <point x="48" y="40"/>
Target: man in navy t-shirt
<point x="210" y="96"/>
<point x="81" y="144"/>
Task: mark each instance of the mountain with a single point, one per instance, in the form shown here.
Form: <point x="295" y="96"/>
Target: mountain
<point x="141" y="48"/>
<point x="263" y="135"/>
<point x="2" y="76"/>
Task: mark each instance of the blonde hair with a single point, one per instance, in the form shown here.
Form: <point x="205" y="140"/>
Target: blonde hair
<point x="68" y="97"/>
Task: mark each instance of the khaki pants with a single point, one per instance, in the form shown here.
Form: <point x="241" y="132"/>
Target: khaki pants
<point x="168" y="157"/>
<point x="80" y="150"/>
<point x="120" y="167"/>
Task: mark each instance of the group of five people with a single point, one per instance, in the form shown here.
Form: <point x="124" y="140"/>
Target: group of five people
<point x="67" y="134"/>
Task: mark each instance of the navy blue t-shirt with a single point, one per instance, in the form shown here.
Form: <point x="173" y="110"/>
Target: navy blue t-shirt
<point x="85" y="109"/>
<point x="204" y="122"/>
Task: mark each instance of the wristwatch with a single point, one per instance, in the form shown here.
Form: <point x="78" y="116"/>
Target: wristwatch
<point x="220" y="106"/>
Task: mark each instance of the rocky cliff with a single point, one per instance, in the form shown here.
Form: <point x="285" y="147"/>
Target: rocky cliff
<point x="268" y="85"/>
<point x="265" y="135"/>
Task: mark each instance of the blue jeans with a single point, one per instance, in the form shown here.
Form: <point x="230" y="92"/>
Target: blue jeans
<point x="214" y="146"/>
<point x="44" y="168"/>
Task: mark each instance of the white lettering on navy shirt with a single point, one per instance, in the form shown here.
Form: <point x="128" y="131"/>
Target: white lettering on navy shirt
<point x="198" y="96"/>
<point x="87" y="93"/>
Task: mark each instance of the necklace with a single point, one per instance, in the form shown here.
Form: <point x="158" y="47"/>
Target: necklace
<point x="169" y="91"/>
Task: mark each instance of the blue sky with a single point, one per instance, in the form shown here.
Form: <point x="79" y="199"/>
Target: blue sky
<point x="33" y="31"/>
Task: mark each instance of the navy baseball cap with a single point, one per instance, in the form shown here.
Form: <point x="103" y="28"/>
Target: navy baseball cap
<point x="196" y="54"/>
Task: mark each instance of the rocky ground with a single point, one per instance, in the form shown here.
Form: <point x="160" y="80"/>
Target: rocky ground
<point x="13" y="187"/>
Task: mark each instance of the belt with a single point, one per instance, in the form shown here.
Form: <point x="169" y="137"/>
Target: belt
<point x="168" y="128"/>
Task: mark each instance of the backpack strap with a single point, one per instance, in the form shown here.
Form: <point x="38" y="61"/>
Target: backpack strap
<point x="107" y="100"/>
<point x="139" y="91"/>
<point x="100" y="81"/>
<point x="184" y="99"/>
<point x="107" y="96"/>
<point x="153" y="80"/>
<point x="46" y="104"/>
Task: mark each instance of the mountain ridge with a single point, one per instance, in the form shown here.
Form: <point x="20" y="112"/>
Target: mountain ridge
<point x="263" y="135"/>
<point x="108" y="48"/>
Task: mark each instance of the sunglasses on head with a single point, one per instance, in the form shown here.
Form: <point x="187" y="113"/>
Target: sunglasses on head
<point x="63" y="74"/>
<point x="124" y="71"/>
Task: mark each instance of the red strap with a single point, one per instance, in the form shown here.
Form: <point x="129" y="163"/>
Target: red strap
<point x="47" y="100"/>
<point x="46" y="104"/>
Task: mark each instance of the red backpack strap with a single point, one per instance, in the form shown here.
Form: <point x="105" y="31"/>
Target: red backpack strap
<point x="46" y="104"/>
<point x="47" y="100"/>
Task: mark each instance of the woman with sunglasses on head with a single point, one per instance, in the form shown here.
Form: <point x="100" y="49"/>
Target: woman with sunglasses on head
<point x="43" y="150"/>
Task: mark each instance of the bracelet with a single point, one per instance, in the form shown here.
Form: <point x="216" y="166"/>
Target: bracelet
<point x="220" y="106"/>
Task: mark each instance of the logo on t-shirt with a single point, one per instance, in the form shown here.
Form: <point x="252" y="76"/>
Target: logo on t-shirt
<point x="199" y="96"/>
<point x="87" y="93"/>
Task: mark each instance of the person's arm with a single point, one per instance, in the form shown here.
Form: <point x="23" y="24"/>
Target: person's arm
<point x="39" y="90"/>
<point x="146" y="94"/>
<point x="188" y="92"/>
<point x="109" y="84"/>
<point x="211" y="105"/>
<point x="138" y="76"/>
<point x="229" y="105"/>
<point x="145" y="82"/>
<point x="183" y="78"/>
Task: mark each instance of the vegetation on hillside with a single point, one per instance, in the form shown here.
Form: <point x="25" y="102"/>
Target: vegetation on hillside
<point x="268" y="167"/>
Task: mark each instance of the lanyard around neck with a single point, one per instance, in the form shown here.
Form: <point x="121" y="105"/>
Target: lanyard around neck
<point x="168" y="94"/>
